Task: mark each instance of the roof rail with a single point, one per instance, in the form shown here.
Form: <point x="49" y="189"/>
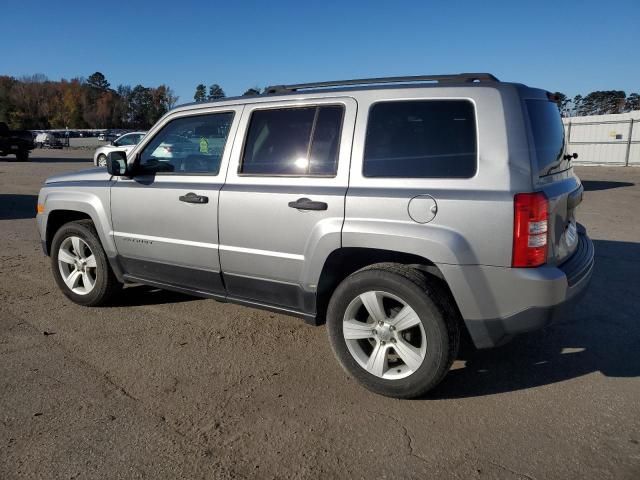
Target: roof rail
<point x="454" y="78"/>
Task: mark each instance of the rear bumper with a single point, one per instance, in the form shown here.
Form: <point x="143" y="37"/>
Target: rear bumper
<point x="497" y="303"/>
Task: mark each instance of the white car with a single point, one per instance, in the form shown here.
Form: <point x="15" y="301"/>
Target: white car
<point x="126" y="142"/>
<point x="174" y="146"/>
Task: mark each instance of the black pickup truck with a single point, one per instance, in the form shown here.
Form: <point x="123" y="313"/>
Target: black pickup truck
<point x="16" y="142"/>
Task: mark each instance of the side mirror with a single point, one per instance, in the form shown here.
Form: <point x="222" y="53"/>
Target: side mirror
<point x="117" y="164"/>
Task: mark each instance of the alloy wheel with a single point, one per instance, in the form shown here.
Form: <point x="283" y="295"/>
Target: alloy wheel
<point x="77" y="265"/>
<point x="384" y="335"/>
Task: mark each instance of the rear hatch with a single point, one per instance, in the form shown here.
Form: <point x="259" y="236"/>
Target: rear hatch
<point x="553" y="175"/>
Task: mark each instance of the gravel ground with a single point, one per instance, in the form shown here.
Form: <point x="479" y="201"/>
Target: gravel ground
<point x="163" y="385"/>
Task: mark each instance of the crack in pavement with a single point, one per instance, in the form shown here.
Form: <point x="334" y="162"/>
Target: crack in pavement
<point x="407" y="436"/>
<point x="411" y="451"/>
<point x="118" y="388"/>
<point x="510" y="470"/>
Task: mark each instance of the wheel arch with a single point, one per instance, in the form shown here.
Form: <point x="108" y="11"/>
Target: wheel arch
<point x="344" y="261"/>
<point x="57" y="218"/>
<point x="64" y="207"/>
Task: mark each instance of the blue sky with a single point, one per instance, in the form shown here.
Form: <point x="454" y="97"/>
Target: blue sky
<point x="570" y="46"/>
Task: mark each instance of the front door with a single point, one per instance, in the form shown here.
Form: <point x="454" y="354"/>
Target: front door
<point x="282" y="206"/>
<point x="165" y="218"/>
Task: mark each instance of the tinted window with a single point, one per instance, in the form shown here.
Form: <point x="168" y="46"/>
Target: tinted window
<point x="188" y="145"/>
<point x="293" y="141"/>
<point x="548" y="134"/>
<point x="421" y="139"/>
<point x="323" y="157"/>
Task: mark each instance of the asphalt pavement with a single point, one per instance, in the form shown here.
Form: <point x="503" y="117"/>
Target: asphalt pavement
<point x="162" y="385"/>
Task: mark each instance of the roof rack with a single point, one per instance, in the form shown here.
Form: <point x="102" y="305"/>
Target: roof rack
<point x="455" y="78"/>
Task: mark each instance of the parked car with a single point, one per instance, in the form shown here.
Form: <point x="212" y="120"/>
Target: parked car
<point x="15" y="142"/>
<point x="174" y="146"/>
<point x="47" y="140"/>
<point x="447" y="204"/>
<point x="124" y="143"/>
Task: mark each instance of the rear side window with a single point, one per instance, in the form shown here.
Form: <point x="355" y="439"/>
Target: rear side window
<point x="293" y="141"/>
<point x="131" y="139"/>
<point x="421" y="139"/>
<point x="548" y="134"/>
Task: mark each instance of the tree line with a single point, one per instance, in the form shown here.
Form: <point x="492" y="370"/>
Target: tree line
<point x="35" y="102"/>
<point x="601" y="102"/>
<point x="595" y="103"/>
<point x="216" y="92"/>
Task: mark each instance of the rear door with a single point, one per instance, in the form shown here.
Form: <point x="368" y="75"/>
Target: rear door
<point x="282" y="206"/>
<point x="554" y="176"/>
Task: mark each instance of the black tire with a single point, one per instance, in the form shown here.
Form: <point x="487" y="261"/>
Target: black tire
<point x="22" y="156"/>
<point x="106" y="283"/>
<point x="428" y="299"/>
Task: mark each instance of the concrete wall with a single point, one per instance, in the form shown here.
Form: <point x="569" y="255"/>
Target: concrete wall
<point x="605" y="139"/>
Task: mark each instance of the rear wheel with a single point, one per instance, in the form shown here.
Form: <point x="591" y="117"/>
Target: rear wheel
<point x="102" y="160"/>
<point x="391" y="328"/>
<point x="80" y="266"/>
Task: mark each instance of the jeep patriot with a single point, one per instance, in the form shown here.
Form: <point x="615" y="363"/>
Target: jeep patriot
<point x="400" y="212"/>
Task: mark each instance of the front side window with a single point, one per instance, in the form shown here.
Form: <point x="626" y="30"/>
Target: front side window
<point x="293" y="141"/>
<point x="421" y="139"/>
<point x="193" y="144"/>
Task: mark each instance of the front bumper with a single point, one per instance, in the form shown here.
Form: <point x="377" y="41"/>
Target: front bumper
<point x="497" y="303"/>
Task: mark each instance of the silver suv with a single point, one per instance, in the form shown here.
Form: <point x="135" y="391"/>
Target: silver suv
<point x="400" y="211"/>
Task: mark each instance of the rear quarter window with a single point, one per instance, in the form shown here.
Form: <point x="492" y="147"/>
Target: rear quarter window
<point x="421" y="139"/>
<point x="547" y="132"/>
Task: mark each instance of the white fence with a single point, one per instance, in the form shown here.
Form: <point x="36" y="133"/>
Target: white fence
<point x="604" y="139"/>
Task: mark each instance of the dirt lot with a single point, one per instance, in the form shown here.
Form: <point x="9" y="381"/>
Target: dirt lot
<point x="168" y="386"/>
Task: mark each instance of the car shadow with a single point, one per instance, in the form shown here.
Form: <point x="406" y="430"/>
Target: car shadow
<point x="594" y="185"/>
<point x="602" y="335"/>
<point x="139" y="295"/>
<point x="16" y="207"/>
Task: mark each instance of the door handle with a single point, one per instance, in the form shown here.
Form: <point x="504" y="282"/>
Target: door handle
<point x="193" y="198"/>
<point x="307" y="204"/>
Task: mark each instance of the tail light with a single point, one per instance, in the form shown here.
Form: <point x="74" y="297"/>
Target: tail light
<point x="530" y="222"/>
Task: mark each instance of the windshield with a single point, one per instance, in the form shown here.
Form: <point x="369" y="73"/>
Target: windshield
<point x="548" y="135"/>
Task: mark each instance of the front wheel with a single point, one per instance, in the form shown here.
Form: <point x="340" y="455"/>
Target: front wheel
<point x="102" y="160"/>
<point x="391" y="328"/>
<point x="80" y="266"/>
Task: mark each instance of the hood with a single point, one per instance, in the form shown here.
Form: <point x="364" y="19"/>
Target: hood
<point x="98" y="174"/>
